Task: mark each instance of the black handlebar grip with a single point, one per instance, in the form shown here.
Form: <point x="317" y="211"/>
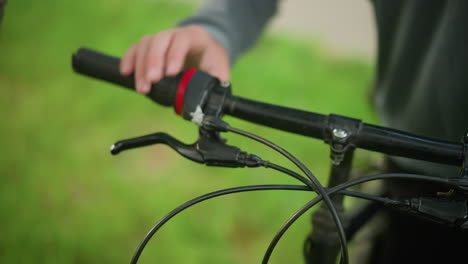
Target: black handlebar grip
<point x="107" y="68"/>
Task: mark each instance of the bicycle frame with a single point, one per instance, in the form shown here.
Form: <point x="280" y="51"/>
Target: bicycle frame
<point x="208" y="99"/>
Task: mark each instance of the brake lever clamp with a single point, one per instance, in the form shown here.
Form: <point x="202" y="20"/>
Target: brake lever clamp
<point x="216" y="152"/>
<point x="209" y="149"/>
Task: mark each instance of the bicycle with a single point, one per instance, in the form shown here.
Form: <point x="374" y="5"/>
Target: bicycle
<point x="204" y="100"/>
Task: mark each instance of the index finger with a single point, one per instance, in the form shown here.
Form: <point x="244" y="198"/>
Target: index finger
<point x="127" y="64"/>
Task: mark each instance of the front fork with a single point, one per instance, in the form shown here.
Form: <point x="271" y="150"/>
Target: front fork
<point x="323" y="244"/>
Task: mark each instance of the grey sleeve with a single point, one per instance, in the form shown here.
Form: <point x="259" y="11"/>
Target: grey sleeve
<point x="235" y="24"/>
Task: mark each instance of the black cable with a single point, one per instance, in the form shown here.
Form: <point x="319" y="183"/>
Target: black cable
<point x="205" y="197"/>
<point x="343" y="186"/>
<point x="319" y="188"/>
<point x="289" y="172"/>
<point x="301" y="178"/>
<point x="215" y="194"/>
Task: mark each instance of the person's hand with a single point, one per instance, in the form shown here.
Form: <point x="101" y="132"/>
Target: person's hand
<point x="169" y="52"/>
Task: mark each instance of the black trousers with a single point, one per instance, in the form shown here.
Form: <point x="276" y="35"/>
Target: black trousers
<point x="409" y="239"/>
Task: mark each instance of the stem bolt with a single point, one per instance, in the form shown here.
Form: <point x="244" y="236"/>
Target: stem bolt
<point x="340" y="133"/>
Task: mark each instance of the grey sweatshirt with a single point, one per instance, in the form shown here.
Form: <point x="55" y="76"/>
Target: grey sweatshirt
<point x="421" y="85"/>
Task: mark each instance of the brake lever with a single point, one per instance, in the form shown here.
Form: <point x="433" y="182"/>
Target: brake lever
<point x="188" y="151"/>
<point x="209" y="149"/>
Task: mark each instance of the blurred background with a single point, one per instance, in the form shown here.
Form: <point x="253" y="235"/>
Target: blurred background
<point x="65" y="199"/>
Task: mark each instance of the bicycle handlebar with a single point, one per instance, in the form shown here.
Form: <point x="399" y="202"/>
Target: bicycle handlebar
<point x="169" y="91"/>
<point x="366" y="136"/>
<point x="192" y="89"/>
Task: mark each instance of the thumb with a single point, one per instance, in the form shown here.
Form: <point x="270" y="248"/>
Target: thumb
<point x="219" y="69"/>
<point x="221" y="74"/>
<point x="216" y="63"/>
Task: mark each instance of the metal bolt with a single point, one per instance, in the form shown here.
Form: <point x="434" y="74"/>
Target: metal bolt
<point x="340" y="133"/>
<point x="225" y="84"/>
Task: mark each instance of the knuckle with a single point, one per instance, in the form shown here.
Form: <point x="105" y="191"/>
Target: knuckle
<point x="174" y="55"/>
<point x="154" y="55"/>
<point x="160" y="36"/>
<point x="156" y="52"/>
<point x="153" y="60"/>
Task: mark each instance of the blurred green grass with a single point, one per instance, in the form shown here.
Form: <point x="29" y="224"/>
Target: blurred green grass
<point x="64" y="199"/>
